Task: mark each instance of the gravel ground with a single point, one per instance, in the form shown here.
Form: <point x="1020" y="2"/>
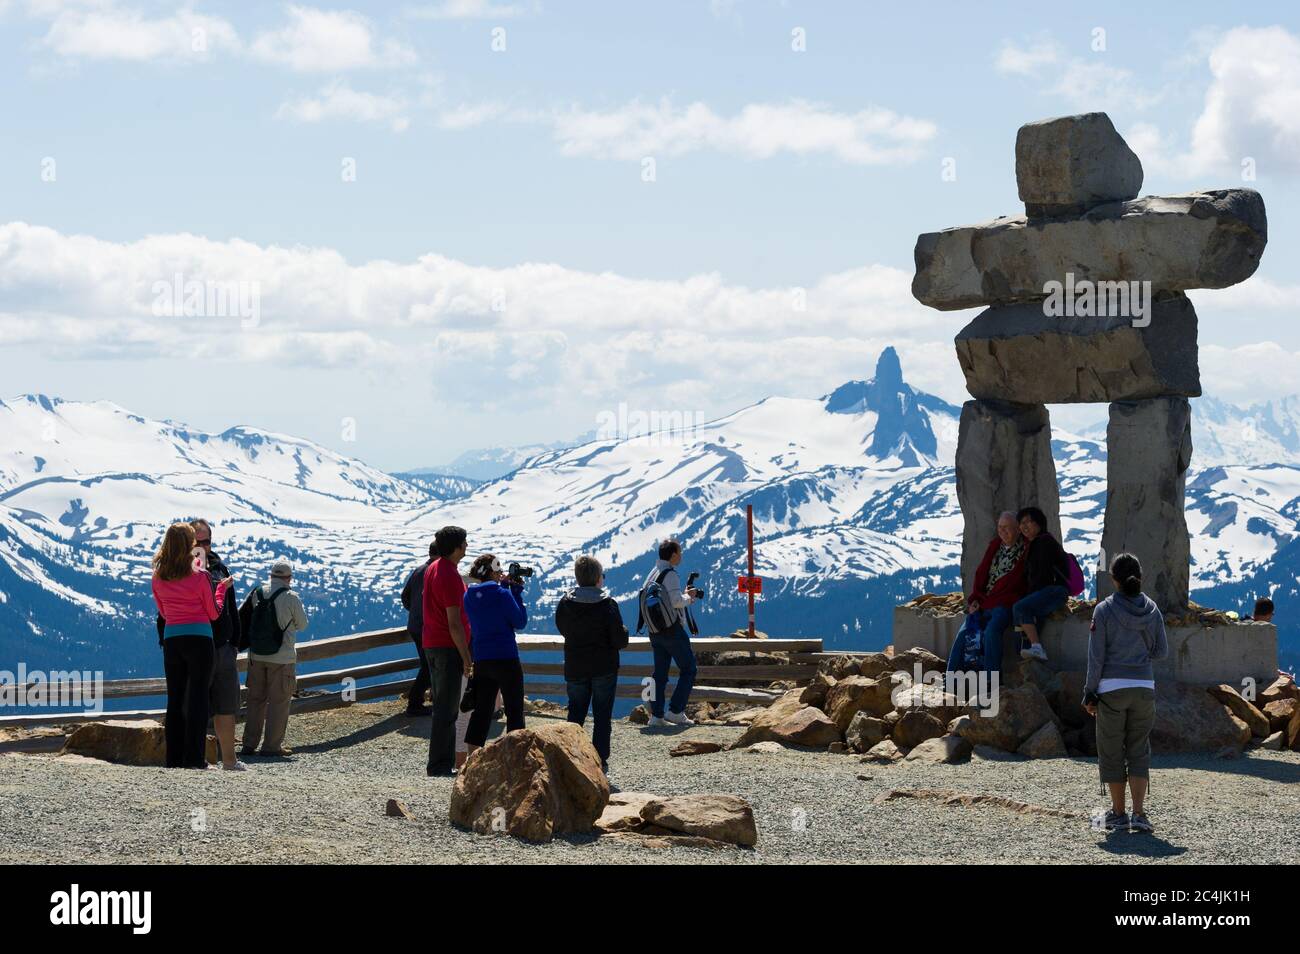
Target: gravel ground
<point x="326" y="804"/>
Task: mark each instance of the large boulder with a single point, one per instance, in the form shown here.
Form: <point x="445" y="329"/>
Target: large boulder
<point x="1004" y="350"/>
<point x="874" y="665"/>
<point x="814" y="694"/>
<point x="1199" y="240"/>
<point x="141" y="742"/>
<point x="787" y="720"/>
<point x="915" y="726"/>
<point x="909" y="659"/>
<point x="1046" y="743"/>
<point x="532" y="784"/>
<point x="1189" y="719"/>
<point x="1279" y="713"/>
<point x="857" y="694"/>
<point x="1243" y="710"/>
<point x="1283" y="687"/>
<point x="1070" y="164"/>
<point x="727" y="818"/>
<point x="1293" y="732"/>
<point x="928" y="698"/>
<point x="1148" y="448"/>
<point x="942" y="750"/>
<point x="1004" y="462"/>
<point x="865" y="731"/>
<point x="1022" y="711"/>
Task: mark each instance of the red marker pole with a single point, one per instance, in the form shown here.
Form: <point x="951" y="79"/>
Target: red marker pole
<point x="749" y="536"/>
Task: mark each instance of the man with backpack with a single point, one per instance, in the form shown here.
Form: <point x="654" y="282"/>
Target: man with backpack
<point x="663" y="608"/>
<point x="272" y="616"/>
<point x="413" y="601"/>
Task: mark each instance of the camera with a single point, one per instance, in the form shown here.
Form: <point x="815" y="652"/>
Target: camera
<point x="517" y="573"/>
<point x="690" y="583"/>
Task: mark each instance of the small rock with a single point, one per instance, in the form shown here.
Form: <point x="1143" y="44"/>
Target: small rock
<point x="883" y="752"/>
<point x="767" y="748"/>
<point x="1274" y="742"/>
<point x="639" y="716"/>
<point x="939" y="751"/>
<point x="837" y="748"/>
<point x="396" y="808"/>
<point x="694" y="747"/>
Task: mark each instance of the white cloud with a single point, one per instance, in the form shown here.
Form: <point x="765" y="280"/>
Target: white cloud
<point x="759" y="131"/>
<point x="1086" y="84"/>
<point x="471" y="10"/>
<point x="330" y="41"/>
<point x="106" y="32"/>
<point x="1252" y="107"/>
<point x="532" y="325"/>
<point x="337" y="100"/>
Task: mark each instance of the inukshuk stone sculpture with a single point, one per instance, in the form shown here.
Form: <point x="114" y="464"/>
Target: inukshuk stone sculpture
<point x="1086" y="304"/>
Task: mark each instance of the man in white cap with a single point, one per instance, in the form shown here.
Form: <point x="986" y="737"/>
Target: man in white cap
<point x="272" y="615"/>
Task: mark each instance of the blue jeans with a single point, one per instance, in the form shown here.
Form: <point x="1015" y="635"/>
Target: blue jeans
<point x="672" y="646"/>
<point x="598" y="694"/>
<point x="993" y="624"/>
<point x="1039" y="605"/>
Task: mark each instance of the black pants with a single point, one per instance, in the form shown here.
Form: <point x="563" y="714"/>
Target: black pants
<point x="491" y="675"/>
<point x="416" y="699"/>
<point x="187" y="663"/>
<point x="445" y="672"/>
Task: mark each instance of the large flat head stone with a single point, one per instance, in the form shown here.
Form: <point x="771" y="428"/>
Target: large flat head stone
<point x="1067" y="165"/>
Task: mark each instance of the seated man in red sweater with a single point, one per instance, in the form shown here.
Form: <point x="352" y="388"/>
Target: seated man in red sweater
<point x="999" y="582"/>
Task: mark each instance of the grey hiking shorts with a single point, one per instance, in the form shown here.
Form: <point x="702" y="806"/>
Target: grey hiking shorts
<point x="1124" y="721"/>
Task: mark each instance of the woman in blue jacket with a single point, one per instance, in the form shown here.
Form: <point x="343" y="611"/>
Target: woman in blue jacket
<point x="495" y="607"/>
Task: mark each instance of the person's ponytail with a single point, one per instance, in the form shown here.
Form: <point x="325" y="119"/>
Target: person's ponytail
<point x="1126" y="571"/>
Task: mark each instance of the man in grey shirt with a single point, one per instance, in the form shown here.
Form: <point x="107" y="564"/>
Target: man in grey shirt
<point x="671" y="644"/>
<point x="273" y="677"/>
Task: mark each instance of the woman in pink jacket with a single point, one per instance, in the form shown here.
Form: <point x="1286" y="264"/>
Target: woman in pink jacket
<point x="188" y="605"/>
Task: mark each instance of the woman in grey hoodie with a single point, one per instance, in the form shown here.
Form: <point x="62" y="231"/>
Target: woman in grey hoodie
<point x="1128" y="633"/>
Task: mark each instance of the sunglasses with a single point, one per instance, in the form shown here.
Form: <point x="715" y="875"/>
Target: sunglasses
<point x="204" y="542"/>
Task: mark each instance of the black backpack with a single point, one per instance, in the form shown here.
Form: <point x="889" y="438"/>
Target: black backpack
<point x="265" y="637"/>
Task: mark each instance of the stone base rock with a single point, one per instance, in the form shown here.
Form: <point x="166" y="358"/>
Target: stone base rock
<point x="1004" y="462"/>
<point x="1018" y="353"/>
<point x="1022" y="711"/>
<point x="532" y="784"/>
<point x="1243" y="710"/>
<point x="1046" y="743"/>
<point x="1148" y="448"/>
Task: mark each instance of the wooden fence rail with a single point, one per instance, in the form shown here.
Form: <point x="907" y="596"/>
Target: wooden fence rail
<point x="804" y="654"/>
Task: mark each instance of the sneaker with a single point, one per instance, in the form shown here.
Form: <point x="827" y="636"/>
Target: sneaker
<point x="1141" y="824"/>
<point x="1034" y="651"/>
<point x="678" y="718"/>
<point x="237" y="767"/>
<point x="1116" y="821"/>
<point x="657" y="720"/>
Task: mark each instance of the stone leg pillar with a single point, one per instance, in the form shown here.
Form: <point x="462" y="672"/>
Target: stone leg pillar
<point x="1148" y="448"/>
<point x="1004" y="462"/>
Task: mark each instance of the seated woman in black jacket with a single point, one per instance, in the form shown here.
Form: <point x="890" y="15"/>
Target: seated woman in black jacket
<point x="592" y="626"/>
<point x="1045" y="576"/>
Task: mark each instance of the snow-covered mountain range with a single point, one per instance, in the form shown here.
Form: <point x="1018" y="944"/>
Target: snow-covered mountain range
<point x="853" y="496"/>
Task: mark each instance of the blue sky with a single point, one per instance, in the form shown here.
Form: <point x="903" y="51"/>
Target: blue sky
<point x="500" y="270"/>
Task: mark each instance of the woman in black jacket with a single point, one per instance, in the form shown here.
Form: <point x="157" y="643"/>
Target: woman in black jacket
<point x="589" y="620"/>
<point x="1045" y="576"/>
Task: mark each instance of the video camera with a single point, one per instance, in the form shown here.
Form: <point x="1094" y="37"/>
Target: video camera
<point x="517" y="573"/>
<point x="690" y="584"/>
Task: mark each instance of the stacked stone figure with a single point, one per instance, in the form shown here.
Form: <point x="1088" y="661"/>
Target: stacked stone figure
<point x="1086" y="303"/>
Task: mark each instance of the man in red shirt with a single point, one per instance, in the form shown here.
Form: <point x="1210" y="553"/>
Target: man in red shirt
<point x="445" y="638"/>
